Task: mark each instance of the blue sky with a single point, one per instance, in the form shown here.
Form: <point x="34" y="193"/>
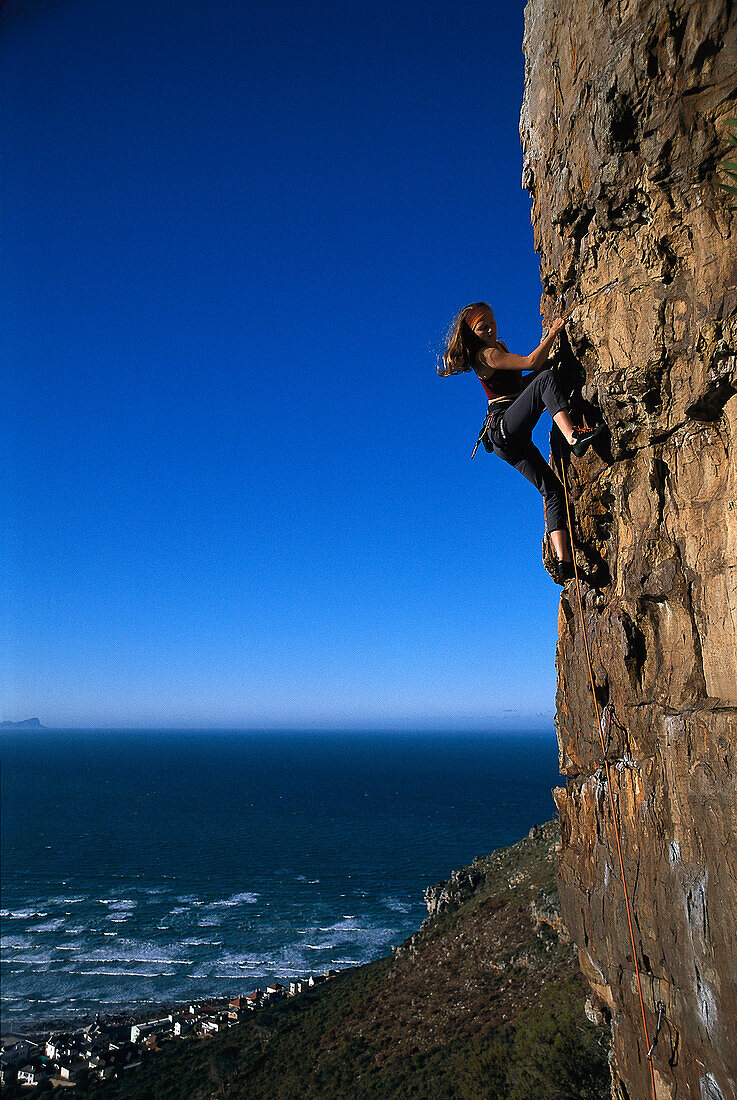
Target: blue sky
<point x="234" y="235"/>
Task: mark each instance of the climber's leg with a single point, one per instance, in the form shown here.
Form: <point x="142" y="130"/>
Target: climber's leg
<point x="560" y="542"/>
<point x="526" y="458"/>
<point x="564" y="423"/>
<point x="543" y="392"/>
<point x="580" y="439"/>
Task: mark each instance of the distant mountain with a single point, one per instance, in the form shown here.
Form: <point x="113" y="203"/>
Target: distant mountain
<point x="29" y="723"/>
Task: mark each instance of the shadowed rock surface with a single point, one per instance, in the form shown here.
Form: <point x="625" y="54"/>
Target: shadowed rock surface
<point x="623" y="126"/>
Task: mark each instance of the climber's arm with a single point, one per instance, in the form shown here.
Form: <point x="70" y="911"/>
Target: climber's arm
<point x="497" y="359"/>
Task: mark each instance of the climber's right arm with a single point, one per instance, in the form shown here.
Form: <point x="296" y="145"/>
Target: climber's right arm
<point x="497" y="359"/>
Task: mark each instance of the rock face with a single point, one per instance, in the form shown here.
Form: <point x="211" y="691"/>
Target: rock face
<point x="623" y="126"/>
<point x="445" y="896"/>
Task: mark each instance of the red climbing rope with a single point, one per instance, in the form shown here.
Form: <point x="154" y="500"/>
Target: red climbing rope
<point x="648" y="1047"/>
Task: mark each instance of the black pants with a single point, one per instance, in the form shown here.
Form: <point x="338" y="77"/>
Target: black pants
<point x="543" y="392"/>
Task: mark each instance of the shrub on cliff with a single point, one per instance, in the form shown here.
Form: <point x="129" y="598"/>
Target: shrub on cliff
<point x="557" y="1055"/>
<point x="729" y="166"/>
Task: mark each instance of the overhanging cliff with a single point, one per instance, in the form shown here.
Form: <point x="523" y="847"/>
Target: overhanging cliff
<point x="623" y="126"/>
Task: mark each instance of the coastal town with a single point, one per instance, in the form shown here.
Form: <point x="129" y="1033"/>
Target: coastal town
<point x="111" y="1046"/>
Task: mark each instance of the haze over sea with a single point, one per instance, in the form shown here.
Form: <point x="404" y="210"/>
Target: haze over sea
<point x="161" y="865"/>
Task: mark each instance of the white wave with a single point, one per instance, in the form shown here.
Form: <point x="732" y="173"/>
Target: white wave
<point x="118" y="903"/>
<point x="240" y="958"/>
<point x="134" y="951"/>
<point x="35" y="958"/>
<point x="346" y="925"/>
<point x="63" y="900"/>
<point x="49" y="1000"/>
<point x="12" y="943"/>
<point x="128" y="1001"/>
<point x="127" y="973"/>
<point x="189" y="900"/>
<point x="397" y="906"/>
<point x="364" y="941"/>
<point x="245" y="898"/>
<point x="22" y="914"/>
<point x="49" y="926"/>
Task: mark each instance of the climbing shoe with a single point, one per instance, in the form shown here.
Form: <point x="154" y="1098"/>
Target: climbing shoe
<point x="584" y="437"/>
<point x="560" y="571"/>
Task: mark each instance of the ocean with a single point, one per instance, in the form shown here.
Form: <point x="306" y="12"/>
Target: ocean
<point x="159" y="865"/>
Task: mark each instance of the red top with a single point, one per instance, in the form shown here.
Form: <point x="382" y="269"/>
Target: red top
<point x="502" y="385"/>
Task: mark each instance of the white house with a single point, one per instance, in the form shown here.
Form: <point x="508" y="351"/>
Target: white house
<point x="57" y="1046"/>
<point x="17" y="1052"/>
<point x="7" y="1073"/>
<point x="99" y="1066"/>
<point x="31" y="1075"/>
<point x="70" y="1070"/>
<point x="140" y="1031"/>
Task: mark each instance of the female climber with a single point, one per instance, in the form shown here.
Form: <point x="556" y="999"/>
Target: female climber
<point x="516" y="403"/>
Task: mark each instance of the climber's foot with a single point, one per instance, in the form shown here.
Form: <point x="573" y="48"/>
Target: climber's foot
<point x="584" y="437"/>
<point x="561" y="571"/>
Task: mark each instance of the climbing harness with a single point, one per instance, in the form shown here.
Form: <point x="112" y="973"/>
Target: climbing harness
<point x="486" y="428"/>
<point x="601" y="721"/>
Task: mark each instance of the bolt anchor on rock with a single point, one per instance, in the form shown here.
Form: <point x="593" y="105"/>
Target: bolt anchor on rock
<point x="661" y="1013"/>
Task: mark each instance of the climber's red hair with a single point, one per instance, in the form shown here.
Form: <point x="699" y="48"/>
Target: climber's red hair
<point x="462" y="343"/>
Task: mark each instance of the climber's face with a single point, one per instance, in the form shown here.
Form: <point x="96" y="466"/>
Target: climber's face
<point x="485" y="328"/>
